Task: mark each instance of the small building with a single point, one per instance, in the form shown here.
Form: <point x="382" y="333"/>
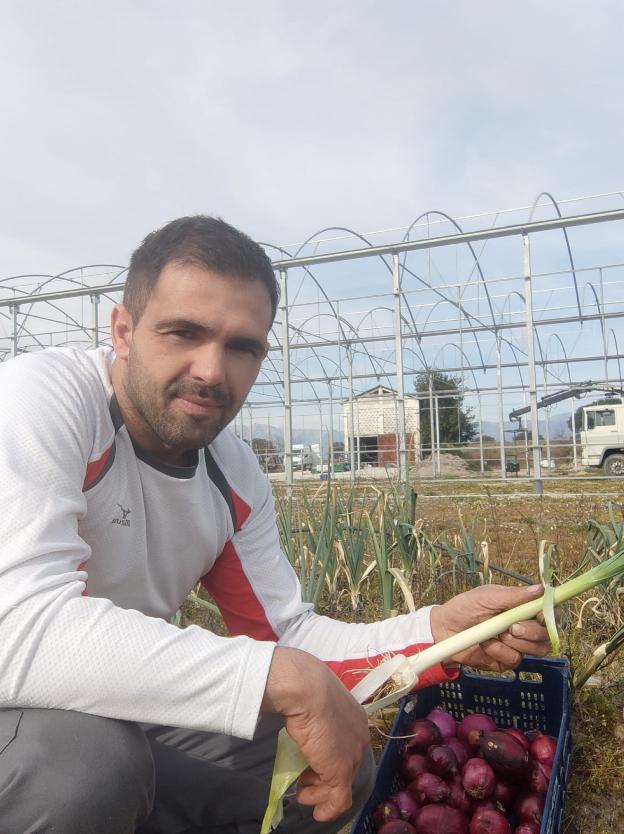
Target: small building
<point x="375" y="426"/>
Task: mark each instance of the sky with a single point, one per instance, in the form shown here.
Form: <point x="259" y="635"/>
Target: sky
<point x="289" y="117"/>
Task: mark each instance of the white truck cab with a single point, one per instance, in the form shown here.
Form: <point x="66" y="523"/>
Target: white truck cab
<point x="602" y="437"/>
<point x="305" y="456"/>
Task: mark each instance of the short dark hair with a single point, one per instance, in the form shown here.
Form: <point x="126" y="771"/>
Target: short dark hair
<point x="207" y="241"/>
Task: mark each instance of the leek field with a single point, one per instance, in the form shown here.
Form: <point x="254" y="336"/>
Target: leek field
<point x="369" y="551"/>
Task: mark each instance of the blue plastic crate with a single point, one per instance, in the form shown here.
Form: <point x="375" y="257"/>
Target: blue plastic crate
<point x="537" y="696"/>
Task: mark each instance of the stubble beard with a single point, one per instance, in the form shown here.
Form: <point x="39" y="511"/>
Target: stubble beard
<point x="151" y="403"/>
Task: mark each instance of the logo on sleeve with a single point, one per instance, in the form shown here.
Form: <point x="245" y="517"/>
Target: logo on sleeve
<point x="122" y="517"/>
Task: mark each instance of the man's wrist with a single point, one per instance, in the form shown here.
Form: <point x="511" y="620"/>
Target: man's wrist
<point x="436" y="623"/>
<point x="286" y="681"/>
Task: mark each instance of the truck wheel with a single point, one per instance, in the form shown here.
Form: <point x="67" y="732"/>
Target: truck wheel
<point x="614" y="465"/>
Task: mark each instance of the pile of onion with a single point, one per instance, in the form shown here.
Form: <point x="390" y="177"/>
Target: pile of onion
<point x="468" y="777"/>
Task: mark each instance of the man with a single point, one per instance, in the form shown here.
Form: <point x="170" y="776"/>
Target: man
<point x="120" y="490"/>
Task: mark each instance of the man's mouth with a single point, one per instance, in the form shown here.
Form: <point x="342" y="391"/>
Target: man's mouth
<point x="199" y="406"/>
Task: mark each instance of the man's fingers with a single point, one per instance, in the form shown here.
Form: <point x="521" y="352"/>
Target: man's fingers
<point x="529" y="630"/>
<point x="309" y="777"/>
<point x="501" y="653"/>
<point x="329" y="802"/>
<point x="539" y="648"/>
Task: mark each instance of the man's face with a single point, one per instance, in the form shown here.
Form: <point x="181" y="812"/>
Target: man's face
<point x="183" y="372"/>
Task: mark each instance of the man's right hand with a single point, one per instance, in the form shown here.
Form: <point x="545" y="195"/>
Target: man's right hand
<point x="326" y="722"/>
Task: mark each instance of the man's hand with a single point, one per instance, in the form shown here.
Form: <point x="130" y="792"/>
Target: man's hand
<point x="329" y="726"/>
<point x="479" y="604"/>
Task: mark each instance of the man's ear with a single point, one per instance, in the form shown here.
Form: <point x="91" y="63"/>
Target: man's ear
<point x="121" y="330"/>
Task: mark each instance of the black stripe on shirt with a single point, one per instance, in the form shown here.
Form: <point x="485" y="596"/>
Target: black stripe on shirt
<point x="219" y="480"/>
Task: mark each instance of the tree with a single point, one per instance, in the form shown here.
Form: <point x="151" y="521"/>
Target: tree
<point x="457" y="423"/>
<point x="266" y="452"/>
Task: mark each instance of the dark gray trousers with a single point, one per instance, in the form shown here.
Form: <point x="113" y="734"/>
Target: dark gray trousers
<point x="71" y="773"/>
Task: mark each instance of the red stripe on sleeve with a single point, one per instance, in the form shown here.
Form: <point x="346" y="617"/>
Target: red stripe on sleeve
<point x="241" y="508"/>
<point x="95" y="468"/>
<point x="351" y="671"/>
<point x="228" y="585"/>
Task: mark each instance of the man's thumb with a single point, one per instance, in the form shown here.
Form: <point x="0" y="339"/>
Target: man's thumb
<point x="533" y="591"/>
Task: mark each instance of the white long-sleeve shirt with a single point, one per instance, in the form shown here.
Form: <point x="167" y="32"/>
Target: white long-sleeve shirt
<point x="100" y="544"/>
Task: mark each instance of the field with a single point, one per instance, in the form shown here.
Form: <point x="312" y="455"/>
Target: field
<point x="455" y="517"/>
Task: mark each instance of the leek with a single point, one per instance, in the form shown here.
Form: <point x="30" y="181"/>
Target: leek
<point x="404" y="672"/>
<point x="599" y="656"/>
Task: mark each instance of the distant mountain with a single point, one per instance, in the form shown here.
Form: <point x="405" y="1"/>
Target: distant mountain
<point x="299" y="435"/>
<point x="558" y="426"/>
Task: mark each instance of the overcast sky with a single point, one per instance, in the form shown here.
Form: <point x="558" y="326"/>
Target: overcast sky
<point x="286" y="117"/>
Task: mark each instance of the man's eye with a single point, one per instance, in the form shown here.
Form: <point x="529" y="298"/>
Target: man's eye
<point x="182" y="334"/>
<point x="245" y="347"/>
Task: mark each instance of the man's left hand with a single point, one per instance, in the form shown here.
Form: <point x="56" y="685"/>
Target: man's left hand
<point x="480" y="604"/>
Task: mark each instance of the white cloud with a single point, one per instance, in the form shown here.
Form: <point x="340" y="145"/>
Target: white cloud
<point x="285" y="118"/>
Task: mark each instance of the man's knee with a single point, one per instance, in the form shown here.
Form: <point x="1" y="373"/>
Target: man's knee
<point x="72" y="772"/>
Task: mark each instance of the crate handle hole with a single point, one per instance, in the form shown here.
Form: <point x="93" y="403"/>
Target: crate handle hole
<point x="530" y="677"/>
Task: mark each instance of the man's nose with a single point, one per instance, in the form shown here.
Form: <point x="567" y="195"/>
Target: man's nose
<point x="209" y="364"/>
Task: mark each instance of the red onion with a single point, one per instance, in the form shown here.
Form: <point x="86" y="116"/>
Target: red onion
<point x="397" y="827"/>
<point x="458" y="797"/>
<point x="543" y="749"/>
<point x="505" y="753"/>
<point x="385" y="811"/>
<point x="461" y="750"/>
<point x="529" y="807"/>
<point x="442" y="760"/>
<point x="490" y="822"/>
<point x="471" y="728"/>
<point x="427" y="787"/>
<point x="407" y="805"/>
<point x="481" y="805"/>
<point x="412" y="764"/>
<point x="539" y="777"/>
<point x="440" y="819"/>
<point x="444" y="721"/>
<point x="422" y="734"/>
<point x="478" y="778"/>
<point x="505" y="793"/>
<point x="527" y="828"/>
<point x="520" y="736"/>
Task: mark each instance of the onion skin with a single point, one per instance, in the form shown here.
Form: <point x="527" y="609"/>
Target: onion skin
<point x="506" y="754"/>
<point x="397" y="827"/>
<point x="471" y="728"/>
<point x="505" y="793"/>
<point x="490" y="822"/>
<point x="520" y="736"/>
<point x="480" y="806"/>
<point x="529" y="807"/>
<point x="458" y="797"/>
<point x="539" y="777"/>
<point x="543" y="749"/>
<point x="423" y="734"/>
<point x="442" y="760"/>
<point x="428" y="788"/>
<point x="385" y="811"/>
<point x="527" y="828"/>
<point x="461" y="750"/>
<point x="407" y="804"/>
<point x="411" y="764"/>
<point x="441" y="819"/>
<point x="444" y="721"/>
<point x="478" y="778"/>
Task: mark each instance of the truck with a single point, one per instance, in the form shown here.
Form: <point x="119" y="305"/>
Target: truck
<point x="305" y="456"/>
<point x="602" y="433"/>
<point x="602" y="437"/>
